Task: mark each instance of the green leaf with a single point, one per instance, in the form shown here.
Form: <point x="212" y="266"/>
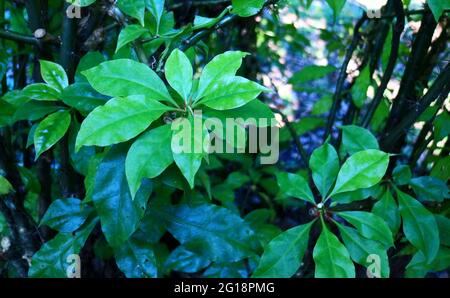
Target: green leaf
<point x="129" y="34"/>
<point x="222" y="68"/>
<point x="418" y="267"/>
<point x="156" y="8"/>
<point x="324" y="164"/>
<point x="331" y="257"/>
<point x="235" y="94"/>
<point x="189" y="146"/>
<point x="53" y="259"/>
<point x="50" y="131"/>
<point x="419" y="225"/>
<point x="254" y="109"/>
<point x="438" y="7"/>
<point x="444" y="229"/>
<point x="136" y="258"/>
<point x="119" y="213"/>
<point x="42" y="92"/>
<point x="387" y="209"/>
<point x="208" y="230"/>
<point x="311" y="73"/>
<point x="133" y="8"/>
<point x="441" y="126"/>
<point x="370" y="226"/>
<point x="149" y="156"/>
<point x="296" y="186"/>
<point x="322" y="106"/>
<point x="54" y="75"/>
<point x="184" y="260"/>
<point x="401" y="174"/>
<point x="179" y="73"/>
<point x="283" y="255"/>
<point x="90" y="60"/>
<point x="119" y="120"/>
<point x="125" y="77"/>
<point x="361" y="248"/>
<point x="66" y="215"/>
<point x="429" y="188"/>
<point x="5" y="186"/>
<point x="355" y="139"/>
<point x="35" y="110"/>
<point x="82" y="97"/>
<point x="441" y="169"/>
<point x="359" y="90"/>
<point x="247" y="8"/>
<point x="336" y="6"/>
<point x="362" y="170"/>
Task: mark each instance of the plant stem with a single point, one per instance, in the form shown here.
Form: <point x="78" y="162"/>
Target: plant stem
<point x="343" y="76"/>
<point x="440" y="88"/>
<point x="397" y="32"/>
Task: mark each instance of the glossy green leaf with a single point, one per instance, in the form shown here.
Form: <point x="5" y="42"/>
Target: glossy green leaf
<point x="35" y="110"/>
<point x="90" y="60"/>
<point x="124" y="77"/>
<point x="296" y="186"/>
<point x="149" y="156"/>
<point x="233" y="95"/>
<point x="208" y="230"/>
<point x="222" y="69"/>
<point x="254" y="109"/>
<point x="179" y="73"/>
<point x="331" y="258"/>
<point x="283" y="255"/>
<point x="361" y="248"/>
<point x="184" y="260"/>
<point x="401" y="174"/>
<point x="362" y="170"/>
<point x="129" y="34"/>
<point x="119" y="120"/>
<point x="50" y="131"/>
<point x="119" y="213"/>
<point x="42" y="92"/>
<point x="324" y="164"/>
<point x="387" y="209"/>
<point x="133" y="8"/>
<point x="246" y="8"/>
<point x="136" y="258"/>
<point x="66" y="215"/>
<point x="82" y="97"/>
<point x="355" y="139"/>
<point x="55" y="258"/>
<point x="189" y="146"/>
<point x="54" y="75"/>
<point x="419" y="225"/>
<point x="370" y="226"/>
<point x="429" y="188"/>
<point x="418" y="267"/>
<point x="156" y="8"/>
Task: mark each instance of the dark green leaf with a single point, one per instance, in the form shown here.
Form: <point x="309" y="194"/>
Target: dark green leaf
<point x="66" y="215"/>
<point x="419" y="225"/>
<point x="119" y="213"/>
<point x="283" y="255"/>
<point x="324" y="163"/>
